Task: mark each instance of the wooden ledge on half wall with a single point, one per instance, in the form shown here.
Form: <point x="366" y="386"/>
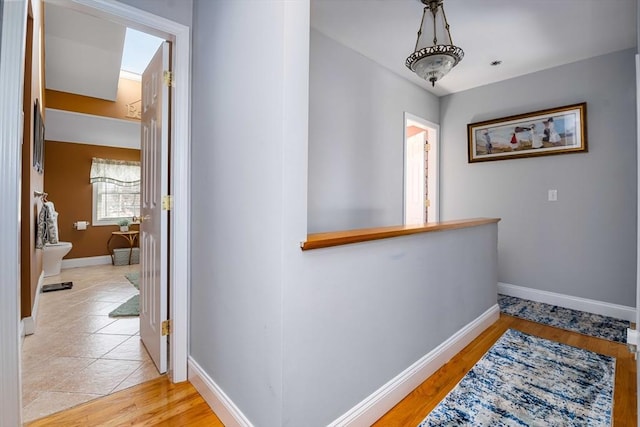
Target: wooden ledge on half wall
<point x="337" y="238"/>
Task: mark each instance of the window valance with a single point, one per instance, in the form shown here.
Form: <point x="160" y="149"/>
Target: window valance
<point x="119" y="172"/>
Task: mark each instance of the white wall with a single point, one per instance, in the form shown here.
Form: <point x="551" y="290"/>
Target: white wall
<point x="356" y="141"/>
<point x="585" y="243"/>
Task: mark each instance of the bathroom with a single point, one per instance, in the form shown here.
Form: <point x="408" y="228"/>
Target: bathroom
<point x="70" y="130"/>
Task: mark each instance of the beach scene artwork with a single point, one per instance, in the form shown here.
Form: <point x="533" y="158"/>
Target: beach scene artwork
<point x="545" y="132"/>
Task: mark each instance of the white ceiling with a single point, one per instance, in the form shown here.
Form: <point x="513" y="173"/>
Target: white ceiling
<point x="68" y="126"/>
<point x="82" y="53"/>
<point x="527" y="35"/>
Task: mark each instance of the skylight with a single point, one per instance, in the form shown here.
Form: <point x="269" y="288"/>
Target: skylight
<point x="139" y="48"/>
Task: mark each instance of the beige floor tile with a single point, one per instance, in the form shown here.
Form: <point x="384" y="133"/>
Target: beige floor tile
<point x="122" y="326"/>
<point x="50" y="402"/>
<point x="52" y="372"/>
<point x="144" y="373"/>
<point x="82" y="325"/>
<point x="131" y="349"/>
<point x="60" y="362"/>
<point x="100" y="377"/>
<point x="93" y="346"/>
<point x="46" y="343"/>
<point x="29" y="396"/>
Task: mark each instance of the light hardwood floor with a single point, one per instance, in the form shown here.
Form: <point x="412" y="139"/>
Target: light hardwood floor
<point x="161" y="403"/>
<point x="154" y="403"/>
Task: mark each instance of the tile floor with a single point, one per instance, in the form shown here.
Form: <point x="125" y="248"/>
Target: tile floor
<point x="78" y="352"/>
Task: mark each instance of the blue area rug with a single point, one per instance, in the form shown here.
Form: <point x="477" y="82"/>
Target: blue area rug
<point x="529" y="381"/>
<point x="565" y="318"/>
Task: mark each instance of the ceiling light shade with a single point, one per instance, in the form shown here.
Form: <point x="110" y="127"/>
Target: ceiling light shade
<point x="434" y="62"/>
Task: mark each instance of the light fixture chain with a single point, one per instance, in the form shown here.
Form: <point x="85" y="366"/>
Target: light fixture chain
<point x="424" y="12"/>
<point x="446" y="25"/>
<point x="435" y="35"/>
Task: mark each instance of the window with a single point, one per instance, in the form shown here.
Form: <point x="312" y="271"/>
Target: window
<point x="116" y="190"/>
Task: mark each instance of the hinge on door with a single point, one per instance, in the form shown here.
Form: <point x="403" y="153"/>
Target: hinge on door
<point x="427" y="147"/>
<point x="166" y="327"/>
<point x="168" y="78"/>
<point x="167" y="202"/>
<point x="427" y="203"/>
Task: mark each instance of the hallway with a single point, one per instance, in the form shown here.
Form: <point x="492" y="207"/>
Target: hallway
<point x="79" y="353"/>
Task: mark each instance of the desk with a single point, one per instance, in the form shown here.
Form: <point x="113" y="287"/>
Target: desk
<point x="129" y="236"/>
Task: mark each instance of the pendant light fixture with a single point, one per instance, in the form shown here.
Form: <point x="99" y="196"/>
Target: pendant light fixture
<point x="433" y="62"/>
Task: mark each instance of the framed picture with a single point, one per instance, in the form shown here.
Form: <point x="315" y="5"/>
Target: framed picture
<point x="554" y="131"/>
<point x="38" y="139"/>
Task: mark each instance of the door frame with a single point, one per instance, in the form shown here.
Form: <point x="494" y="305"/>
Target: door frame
<point x="11" y="82"/>
<point x="179" y="183"/>
<point x="12" y="45"/>
<point x="433" y="188"/>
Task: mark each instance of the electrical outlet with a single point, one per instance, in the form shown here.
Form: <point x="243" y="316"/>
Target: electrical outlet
<point x="553" y="195"/>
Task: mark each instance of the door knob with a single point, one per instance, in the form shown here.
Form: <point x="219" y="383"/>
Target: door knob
<point x="142" y="218"/>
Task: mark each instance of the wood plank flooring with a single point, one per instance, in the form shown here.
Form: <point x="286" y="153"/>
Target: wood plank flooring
<point x="160" y="403"/>
<point x="415" y="407"/>
<point x="154" y="403"/>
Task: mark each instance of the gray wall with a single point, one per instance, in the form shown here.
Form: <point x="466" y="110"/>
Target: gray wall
<point x="242" y="206"/>
<point x="356" y="141"/>
<point x="585" y="243"/>
<point x="297" y="338"/>
<point x="363" y="313"/>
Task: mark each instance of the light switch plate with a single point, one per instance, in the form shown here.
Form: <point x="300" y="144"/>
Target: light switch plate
<point x="553" y="195"/>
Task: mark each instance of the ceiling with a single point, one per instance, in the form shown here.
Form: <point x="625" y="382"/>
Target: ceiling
<point x="84" y="56"/>
<point x="526" y="35"/>
<point x="82" y="53"/>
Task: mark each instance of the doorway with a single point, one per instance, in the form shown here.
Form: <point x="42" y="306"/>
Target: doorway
<point x="10" y="109"/>
<point x="421" y="143"/>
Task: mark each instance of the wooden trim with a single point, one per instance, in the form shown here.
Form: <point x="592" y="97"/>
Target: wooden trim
<point x="337" y="238"/>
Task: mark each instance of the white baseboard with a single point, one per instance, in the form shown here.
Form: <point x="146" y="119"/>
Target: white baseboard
<point x="387" y="396"/>
<point x="86" y="262"/>
<point x="28" y="324"/>
<point x="219" y="402"/>
<point x="576" y="303"/>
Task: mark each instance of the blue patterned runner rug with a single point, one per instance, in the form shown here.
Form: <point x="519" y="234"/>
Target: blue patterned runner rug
<point x="524" y="380"/>
<point x="590" y="324"/>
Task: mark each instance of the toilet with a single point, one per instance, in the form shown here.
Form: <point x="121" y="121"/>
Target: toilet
<point x="52" y="257"/>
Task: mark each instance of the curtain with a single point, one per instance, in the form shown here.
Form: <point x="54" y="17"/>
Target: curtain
<point x="119" y="172"/>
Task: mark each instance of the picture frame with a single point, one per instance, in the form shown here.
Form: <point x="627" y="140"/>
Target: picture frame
<point x="560" y="130"/>
<point x="38" y="139"/>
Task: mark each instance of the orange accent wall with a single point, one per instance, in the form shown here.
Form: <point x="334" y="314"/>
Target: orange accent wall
<point x="129" y="93"/>
<point x="413" y="130"/>
<point x="66" y="180"/>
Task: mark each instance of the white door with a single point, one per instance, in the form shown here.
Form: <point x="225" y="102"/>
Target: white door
<point x="421" y="195"/>
<point x="153" y="225"/>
